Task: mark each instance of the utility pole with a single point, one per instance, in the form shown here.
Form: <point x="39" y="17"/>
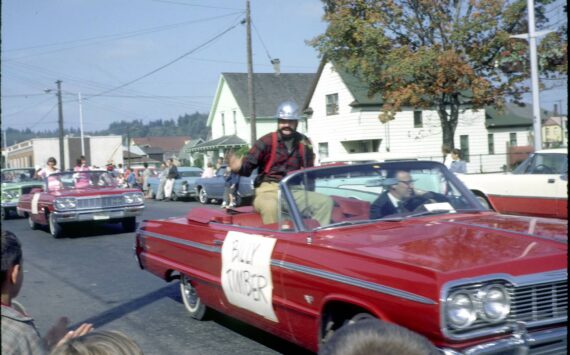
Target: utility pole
<point x="60" y="121"/>
<point x="250" y="75"/>
<point x="81" y="122"/>
<point x="531" y="37"/>
<point x="129" y="147"/>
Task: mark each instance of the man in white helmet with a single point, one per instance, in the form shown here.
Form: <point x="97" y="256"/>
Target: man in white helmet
<point x="276" y="154"/>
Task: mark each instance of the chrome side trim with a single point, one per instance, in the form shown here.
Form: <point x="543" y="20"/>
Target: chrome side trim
<point x="182" y="242"/>
<point x="347" y="280"/>
<point x="507" y="231"/>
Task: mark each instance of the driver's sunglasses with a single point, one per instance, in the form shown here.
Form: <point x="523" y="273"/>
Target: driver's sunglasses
<point x="408" y="182"/>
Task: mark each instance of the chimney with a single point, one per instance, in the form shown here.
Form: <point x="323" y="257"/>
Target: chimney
<point x="276" y="65"/>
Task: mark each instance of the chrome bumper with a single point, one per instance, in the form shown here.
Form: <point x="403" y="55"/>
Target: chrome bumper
<point x="97" y="214"/>
<point x="550" y="341"/>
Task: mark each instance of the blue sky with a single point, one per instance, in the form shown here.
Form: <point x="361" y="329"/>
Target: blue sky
<point x="97" y="46"/>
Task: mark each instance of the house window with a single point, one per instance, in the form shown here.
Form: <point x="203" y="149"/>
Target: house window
<point x="235" y="123"/>
<point x="362" y="146"/>
<point x="464" y="144"/>
<point x="223" y="124"/>
<point x="332" y="104"/>
<point x="418" y="120"/>
<point x="491" y="143"/>
<point x="323" y="150"/>
<point x="513" y="139"/>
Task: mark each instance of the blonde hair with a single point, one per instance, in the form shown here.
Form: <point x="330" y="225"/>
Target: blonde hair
<point x="99" y="342"/>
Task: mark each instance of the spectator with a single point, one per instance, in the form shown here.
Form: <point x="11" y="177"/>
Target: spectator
<point x="131" y="178"/>
<point x="446" y="151"/>
<point x="145" y="175"/>
<point x="276" y="154"/>
<point x="209" y="171"/>
<point x="19" y="333"/>
<point x="457" y="165"/>
<point x="231" y="184"/>
<point x="101" y="342"/>
<point x="120" y="169"/>
<point x="161" y="181"/>
<point x="219" y="163"/>
<point x="372" y="336"/>
<point x="172" y="175"/>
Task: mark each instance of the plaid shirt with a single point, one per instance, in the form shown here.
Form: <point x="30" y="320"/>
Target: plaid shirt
<point x="285" y="160"/>
<point x="19" y="334"/>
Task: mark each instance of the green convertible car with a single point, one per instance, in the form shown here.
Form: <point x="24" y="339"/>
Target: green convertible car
<point x="16" y="182"/>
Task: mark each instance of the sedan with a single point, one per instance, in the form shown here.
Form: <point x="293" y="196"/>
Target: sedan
<point x="537" y="187"/>
<point x="208" y="189"/>
<point x="184" y="187"/>
<point x="15" y="183"/>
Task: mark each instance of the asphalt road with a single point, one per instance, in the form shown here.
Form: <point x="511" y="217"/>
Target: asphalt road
<point x="92" y="276"/>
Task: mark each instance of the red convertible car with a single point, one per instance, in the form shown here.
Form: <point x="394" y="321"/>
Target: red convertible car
<point x="86" y="197"/>
<point x="440" y="265"/>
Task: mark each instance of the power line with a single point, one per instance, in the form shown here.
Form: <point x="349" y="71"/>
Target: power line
<point x="112" y="37"/>
<point x="196" y="5"/>
<point x="167" y="64"/>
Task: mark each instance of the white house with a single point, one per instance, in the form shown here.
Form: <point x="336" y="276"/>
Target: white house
<point x="230" y="114"/>
<point x="343" y="120"/>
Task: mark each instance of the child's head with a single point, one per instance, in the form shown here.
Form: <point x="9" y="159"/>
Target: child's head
<point x="12" y="273"/>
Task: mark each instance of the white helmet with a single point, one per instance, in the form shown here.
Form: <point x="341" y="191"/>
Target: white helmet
<point x="288" y="110"/>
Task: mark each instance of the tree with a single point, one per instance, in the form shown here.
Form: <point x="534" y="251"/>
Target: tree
<point x="444" y="54"/>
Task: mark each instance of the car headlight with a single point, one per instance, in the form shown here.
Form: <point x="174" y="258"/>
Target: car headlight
<point x="11" y="195"/>
<point x="460" y="310"/>
<point x="65" y="203"/>
<point x="495" y="303"/>
<point x="133" y="198"/>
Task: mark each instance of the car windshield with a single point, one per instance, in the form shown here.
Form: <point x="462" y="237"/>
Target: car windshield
<point x="376" y="191"/>
<point x="196" y="173"/>
<point x="17" y="175"/>
<point x="544" y="163"/>
<point x="80" y="180"/>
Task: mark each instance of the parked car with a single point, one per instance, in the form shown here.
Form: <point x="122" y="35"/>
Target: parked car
<point x="81" y="197"/>
<point x="470" y="280"/>
<point x="537" y="187"/>
<point x="15" y="183"/>
<point x="185" y="187"/>
<point x="208" y="189"/>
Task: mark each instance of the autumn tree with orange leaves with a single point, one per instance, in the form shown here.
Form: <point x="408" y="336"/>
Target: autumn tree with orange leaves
<point x="436" y="54"/>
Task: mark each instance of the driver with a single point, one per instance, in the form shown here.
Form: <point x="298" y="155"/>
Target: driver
<point x="400" y="188"/>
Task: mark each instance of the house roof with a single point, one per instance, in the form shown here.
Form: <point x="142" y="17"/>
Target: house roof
<point x="512" y="115"/>
<point x="224" y="142"/>
<point x="135" y="150"/>
<point x="170" y="143"/>
<point x="152" y="150"/>
<point x="270" y="90"/>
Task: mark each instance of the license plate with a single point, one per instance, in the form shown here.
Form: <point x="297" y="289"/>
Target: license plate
<point x="100" y="217"/>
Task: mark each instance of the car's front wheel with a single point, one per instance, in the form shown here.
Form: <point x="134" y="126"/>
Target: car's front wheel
<point x="129" y="224"/>
<point x="203" y="196"/>
<point x="55" y="228"/>
<point x="33" y="225"/>
<point x="191" y="300"/>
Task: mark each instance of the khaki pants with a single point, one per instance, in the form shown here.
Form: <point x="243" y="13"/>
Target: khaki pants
<point x="317" y="205"/>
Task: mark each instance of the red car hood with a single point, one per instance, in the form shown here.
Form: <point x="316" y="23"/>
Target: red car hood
<point x="451" y="244"/>
<point x="90" y="192"/>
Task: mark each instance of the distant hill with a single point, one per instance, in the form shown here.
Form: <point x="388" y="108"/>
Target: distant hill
<point x="193" y="125"/>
